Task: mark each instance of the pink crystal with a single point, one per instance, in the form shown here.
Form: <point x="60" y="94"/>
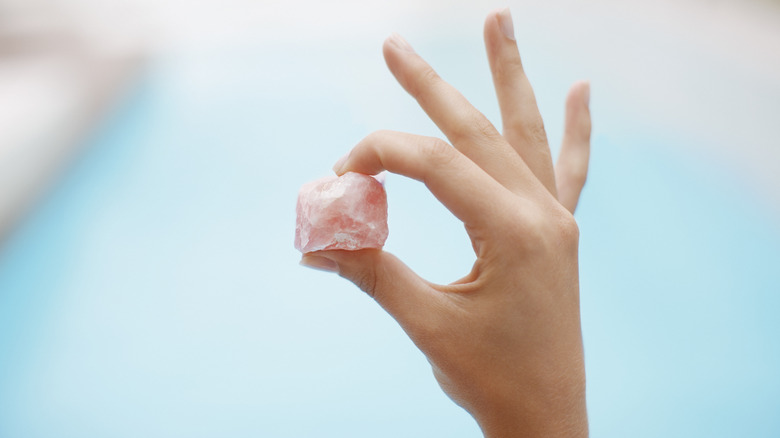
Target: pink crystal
<point x="347" y="212"/>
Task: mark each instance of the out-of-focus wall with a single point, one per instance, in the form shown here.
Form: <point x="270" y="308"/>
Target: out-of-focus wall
<point x="704" y="71"/>
<point x="60" y="71"/>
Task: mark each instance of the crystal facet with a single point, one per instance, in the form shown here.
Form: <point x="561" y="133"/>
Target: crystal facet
<point x="347" y="212"/>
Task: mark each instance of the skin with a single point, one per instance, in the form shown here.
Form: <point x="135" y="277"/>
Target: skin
<point x="504" y="342"/>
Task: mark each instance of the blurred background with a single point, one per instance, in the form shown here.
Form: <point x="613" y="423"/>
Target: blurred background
<point x="150" y="157"/>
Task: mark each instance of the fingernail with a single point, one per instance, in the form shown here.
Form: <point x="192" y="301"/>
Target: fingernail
<point x="319" y="263"/>
<point x="400" y="43"/>
<point x="505" y="22"/>
<point x="340" y="163"/>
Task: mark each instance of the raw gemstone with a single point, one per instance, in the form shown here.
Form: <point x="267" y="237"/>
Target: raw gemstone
<point x="347" y="212"/>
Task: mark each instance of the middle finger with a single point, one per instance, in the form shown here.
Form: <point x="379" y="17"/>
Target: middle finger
<point x="523" y="126"/>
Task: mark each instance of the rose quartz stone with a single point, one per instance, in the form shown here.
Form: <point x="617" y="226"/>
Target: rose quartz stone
<point x="347" y="212"/>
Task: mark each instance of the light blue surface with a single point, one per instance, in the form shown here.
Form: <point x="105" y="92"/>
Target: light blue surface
<point x="155" y="291"/>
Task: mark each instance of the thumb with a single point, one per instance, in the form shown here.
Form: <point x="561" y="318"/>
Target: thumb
<point x="398" y="289"/>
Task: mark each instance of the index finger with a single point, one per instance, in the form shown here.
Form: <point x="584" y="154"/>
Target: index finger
<point x="466" y="190"/>
<point x="467" y="128"/>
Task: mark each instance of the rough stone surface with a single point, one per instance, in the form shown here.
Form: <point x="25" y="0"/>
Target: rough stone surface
<point x="347" y="212"/>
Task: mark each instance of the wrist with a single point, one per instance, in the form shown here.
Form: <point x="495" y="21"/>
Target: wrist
<point x="571" y="424"/>
<point x="551" y="411"/>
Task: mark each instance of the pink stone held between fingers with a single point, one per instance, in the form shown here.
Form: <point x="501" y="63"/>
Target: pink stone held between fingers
<point x="347" y="212"/>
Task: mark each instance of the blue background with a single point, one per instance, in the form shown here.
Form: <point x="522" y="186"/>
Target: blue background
<point x="155" y="290"/>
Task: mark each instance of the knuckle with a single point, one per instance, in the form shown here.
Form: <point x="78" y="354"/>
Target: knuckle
<point x="428" y="75"/>
<point x="483" y="127"/>
<point x="527" y="129"/>
<point x="366" y="281"/>
<point x="580" y="176"/>
<point x="378" y="136"/>
<point x="536" y="132"/>
<point x="561" y="231"/>
<point x="422" y="81"/>
<point x="543" y="231"/>
<point x="509" y="69"/>
<point x="438" y="151"/>
<point x="567" y="229"/>
<point x="475" y="127"/>
<point x="576" y="176"/>
<point x="574" y="173"/>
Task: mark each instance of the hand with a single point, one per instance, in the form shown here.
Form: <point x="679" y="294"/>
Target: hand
<point x="505" y="341"/>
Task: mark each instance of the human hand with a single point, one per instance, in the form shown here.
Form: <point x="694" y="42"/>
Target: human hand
<point x="504" y="341"/>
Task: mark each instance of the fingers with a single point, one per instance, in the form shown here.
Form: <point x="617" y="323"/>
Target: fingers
<point x="465" y="189"/>
<point x="401" y="292"/>
<point x="571" y="170"/>
<point x="468" y="129"/>
<point x="523" y="126"/>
